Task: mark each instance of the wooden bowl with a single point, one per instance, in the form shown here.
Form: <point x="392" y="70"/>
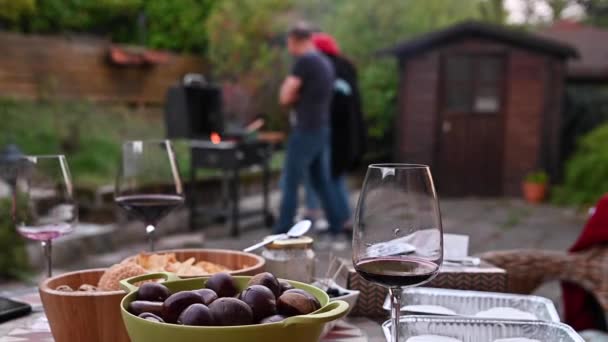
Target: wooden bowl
<point x="240" y="263"/>
<point x="82" y="316"/>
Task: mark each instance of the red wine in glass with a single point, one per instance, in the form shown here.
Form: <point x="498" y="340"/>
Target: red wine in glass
<point x="397" y="271"/>
<point x="149" y="208"/>
<point x="397" y="237"/>
<point x="148" y="183"/>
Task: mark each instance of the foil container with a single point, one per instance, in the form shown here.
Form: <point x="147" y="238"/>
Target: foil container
<point x="481" y="330"/>
<point x="468" y="303"/>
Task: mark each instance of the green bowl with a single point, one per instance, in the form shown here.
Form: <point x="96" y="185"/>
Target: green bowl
<point x="305" y="328"/>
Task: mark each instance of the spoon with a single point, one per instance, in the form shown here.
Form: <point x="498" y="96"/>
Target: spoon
<point x="297" y="230"/>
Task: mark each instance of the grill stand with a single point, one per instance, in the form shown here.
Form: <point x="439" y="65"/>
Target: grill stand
<point x="230" y="158"/>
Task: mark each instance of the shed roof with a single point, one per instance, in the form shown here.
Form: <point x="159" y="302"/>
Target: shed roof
<point x="592" y="44"/>
<point x="481" y="30"/>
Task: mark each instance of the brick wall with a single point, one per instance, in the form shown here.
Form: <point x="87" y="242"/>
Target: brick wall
<point x="34" y="67"/>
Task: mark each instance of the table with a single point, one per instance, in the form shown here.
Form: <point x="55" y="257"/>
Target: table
<point x="34" y="327"/>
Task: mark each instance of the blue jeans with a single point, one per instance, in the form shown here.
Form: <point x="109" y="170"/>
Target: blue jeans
<point x="339" y="183"/>
<point x="309" y="152"/>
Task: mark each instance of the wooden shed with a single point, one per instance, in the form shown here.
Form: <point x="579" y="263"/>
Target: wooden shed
<point x="480" y="104"/>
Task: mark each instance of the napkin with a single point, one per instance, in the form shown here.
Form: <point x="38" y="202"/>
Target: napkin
<point x="455" y="246"/>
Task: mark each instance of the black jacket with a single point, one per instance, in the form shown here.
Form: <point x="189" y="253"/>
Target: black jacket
<point x="348" y="130"/>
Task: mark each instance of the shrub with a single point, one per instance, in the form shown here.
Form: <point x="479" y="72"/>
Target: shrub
<point x="586" y="172"/>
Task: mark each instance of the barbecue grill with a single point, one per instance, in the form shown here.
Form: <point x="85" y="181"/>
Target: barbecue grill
<point x="194" y="112"/>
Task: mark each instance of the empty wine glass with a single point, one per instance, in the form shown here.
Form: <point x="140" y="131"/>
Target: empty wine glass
<point x="398" y="238"/>
<point x="43" y="206"/>
<point x="148" y="184"/>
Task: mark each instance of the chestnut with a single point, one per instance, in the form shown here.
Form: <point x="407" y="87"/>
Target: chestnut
<point x="273" y="319"/>
<point x="138" y="307"/>
<point x="285" y="286"/>
<point x="231" y="311"/>
<point x="294" y="303"/>
<point x="196" y="314"/>
<point x="222" y="284"/>
<point x="266" y="279"/>
<point x="153" y="292"/>
<point x="207" y="295"/>
<point x="177" y="302"/>
<point x="151" y="317"/>
<point x="261" y="301"/>
<point x="308" y="295"/>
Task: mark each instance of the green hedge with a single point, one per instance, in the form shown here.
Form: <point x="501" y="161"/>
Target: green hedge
<point x="586" y="172"/>
<point x="177" y="25"/>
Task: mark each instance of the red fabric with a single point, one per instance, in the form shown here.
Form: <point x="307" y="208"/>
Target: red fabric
<point x="578" y="303"/>
<point x="326" y="43"/>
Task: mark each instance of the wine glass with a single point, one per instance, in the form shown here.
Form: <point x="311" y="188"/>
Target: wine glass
<point x="398" y="238"/>
<point x="148" y="184"/>
<point x="43" y="206"/>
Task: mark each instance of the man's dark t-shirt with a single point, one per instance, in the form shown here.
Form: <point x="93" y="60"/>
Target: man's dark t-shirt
<point x="314" y="98"/>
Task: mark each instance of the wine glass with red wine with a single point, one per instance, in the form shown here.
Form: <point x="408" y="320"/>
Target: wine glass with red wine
<point x="42" y="202"/>
<point x="398" y="238"/>
<point x="148" y="184"/>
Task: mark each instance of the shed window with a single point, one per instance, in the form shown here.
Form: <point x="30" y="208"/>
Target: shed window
<point x="473" y="83"/>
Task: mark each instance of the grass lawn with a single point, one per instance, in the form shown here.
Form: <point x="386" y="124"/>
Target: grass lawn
<point x="89" y="134"/>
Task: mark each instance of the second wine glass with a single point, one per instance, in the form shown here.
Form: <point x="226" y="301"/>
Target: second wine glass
<point x="398" y="238"/>
<point x="148" y="183"/>
<point x="43" y="206"/>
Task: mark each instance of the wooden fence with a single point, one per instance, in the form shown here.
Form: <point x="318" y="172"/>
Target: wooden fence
<point x="43" y="67"/>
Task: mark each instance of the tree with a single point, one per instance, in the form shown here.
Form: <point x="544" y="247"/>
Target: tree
<point x="558" y="7"/>
<point x="12" y="11"/>
<point x="246" y="46"/>
<point x="177" y="25"/>
<point x="596" y="12"/>
<point x="363" y="27"/>
<point x="90" y="16"/>
<point x="493" y="11"/>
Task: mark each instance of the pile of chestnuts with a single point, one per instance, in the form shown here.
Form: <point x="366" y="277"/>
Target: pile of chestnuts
<point x="264" y="300"/>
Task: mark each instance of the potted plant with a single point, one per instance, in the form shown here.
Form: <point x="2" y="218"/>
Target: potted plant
<point x="535" y="186"/>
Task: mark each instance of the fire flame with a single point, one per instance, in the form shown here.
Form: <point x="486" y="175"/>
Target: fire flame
<point x="215" y="138"/>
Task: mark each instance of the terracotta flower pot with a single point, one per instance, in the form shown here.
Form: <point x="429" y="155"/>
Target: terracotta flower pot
<point x="534" y="192"/>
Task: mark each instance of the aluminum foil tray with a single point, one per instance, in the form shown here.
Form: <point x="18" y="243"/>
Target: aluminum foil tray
<point x="468" y="303"/>
<point x="478" y="330"/>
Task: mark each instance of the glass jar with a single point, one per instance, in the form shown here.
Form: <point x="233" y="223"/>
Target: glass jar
<point x="291" y="259"/>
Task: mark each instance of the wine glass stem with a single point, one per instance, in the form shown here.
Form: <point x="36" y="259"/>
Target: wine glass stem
<point x="46" y="247"/>
<point x="395" y="293"/>
<point x="150" y="232"/>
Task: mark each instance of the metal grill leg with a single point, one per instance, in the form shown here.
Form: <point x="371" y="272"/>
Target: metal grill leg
<point x="192" y="198"/>
<point x="234" y="198"/>
<point x="268" y="217"/>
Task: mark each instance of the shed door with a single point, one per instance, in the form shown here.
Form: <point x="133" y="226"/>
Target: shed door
<point x="470" y="129"/>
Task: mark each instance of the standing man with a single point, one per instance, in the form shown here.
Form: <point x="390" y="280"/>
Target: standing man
<point x="308" y="91"/>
